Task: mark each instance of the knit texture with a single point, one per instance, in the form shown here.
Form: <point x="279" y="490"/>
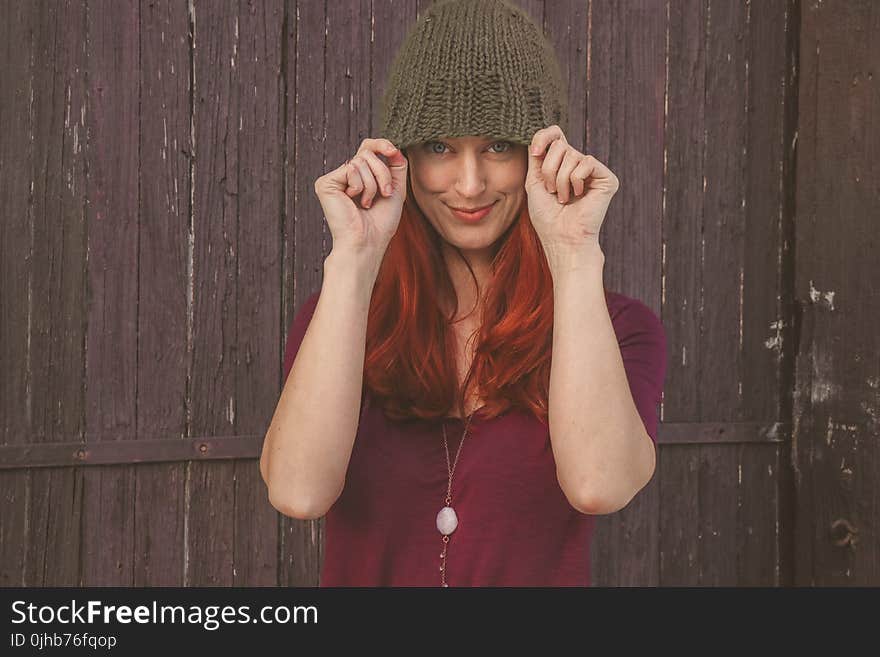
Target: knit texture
<point x="473" y="67"/>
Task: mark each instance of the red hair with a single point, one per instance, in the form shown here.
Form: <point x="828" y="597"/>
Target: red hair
<point x="408" y="367"/>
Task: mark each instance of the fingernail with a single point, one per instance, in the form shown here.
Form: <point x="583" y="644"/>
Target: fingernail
<point x="387" y="189"/>
<point x="535" y="150"/>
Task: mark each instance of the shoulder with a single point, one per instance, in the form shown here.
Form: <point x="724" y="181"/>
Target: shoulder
<point x="632" y="317"/>
<point x="311" y="300"/>
<point x="306" y="308"/>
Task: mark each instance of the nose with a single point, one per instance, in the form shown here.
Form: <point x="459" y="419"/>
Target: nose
<point x="471" y="180"/>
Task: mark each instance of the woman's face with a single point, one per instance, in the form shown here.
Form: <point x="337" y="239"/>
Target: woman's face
<point x="467" y="173"/>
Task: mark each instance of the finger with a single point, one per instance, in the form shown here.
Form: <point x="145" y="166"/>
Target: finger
<point x="369" y="182"/>
<point x="551" y="164"/>
<point x="353" y="180"/>
<point x="380" y="172"/>
<point x="563" y="176"/>
<point x="577" y="182"/>
<point x="582" y="173"/>
<point x="384" y="146"/>
<point x="591" y="168"/>
<point x="542" y="139"/>
<point x="598" y="170"/>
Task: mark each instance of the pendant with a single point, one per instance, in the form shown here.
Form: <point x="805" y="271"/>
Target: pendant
<point x="447" y="521"/>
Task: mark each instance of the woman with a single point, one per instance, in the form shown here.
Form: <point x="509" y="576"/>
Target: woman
<point x="432" y="335"/>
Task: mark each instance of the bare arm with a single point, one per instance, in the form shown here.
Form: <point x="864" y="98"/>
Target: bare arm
<point x="604" y="455"/>
<point x="309" y="441"/>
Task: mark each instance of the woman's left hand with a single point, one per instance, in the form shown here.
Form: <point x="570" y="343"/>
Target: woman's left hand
<point x="568" y="192"/>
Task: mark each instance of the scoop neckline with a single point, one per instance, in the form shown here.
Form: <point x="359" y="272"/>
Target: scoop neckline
<point x="476" y="416"/>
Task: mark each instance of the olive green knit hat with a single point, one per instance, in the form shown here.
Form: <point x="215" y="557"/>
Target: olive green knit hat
<point x="473" y="67"/>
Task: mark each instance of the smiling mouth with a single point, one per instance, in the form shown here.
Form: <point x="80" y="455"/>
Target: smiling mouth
<point x="472" y="211"/>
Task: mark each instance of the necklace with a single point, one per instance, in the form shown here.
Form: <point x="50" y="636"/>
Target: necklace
<point x="447" y="520"/>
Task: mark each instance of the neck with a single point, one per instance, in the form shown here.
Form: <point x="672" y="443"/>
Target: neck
<point x="469" y="294"/>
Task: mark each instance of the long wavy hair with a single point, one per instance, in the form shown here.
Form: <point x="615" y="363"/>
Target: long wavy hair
<point x="410" y="369"/>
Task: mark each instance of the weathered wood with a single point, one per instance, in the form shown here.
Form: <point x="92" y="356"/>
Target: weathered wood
<point x="678" y="469"/>
<point x="623" y="80"/>
<point x="836" y="451"/>
<point x="726" y="264"/>
<point x="261" y="130"/>
<point x="160" y="227"/>
<point x="111" y="391"/>
<point x="49" y="256"/>
<point x="764" y="549"/>
<point x="682" y="285"/>
<point x="168" y="342"/>
<point x="723" y="227"/>
<point x="308" y="127"/>
<point x="127" y="450"/>
<point x="19" y="163"/>
<point x="216" y="188"/>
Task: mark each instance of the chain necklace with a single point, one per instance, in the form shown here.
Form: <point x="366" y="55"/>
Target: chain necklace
<point x="447" y="520"/>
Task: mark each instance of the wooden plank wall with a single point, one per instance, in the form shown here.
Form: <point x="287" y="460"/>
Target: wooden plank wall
<point x="160" y="230"/>
<point x="689" y="102"/>
<point x="836" y="447"/>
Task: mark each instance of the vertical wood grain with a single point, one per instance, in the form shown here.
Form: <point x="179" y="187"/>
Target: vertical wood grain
<point x="112" y="147"/>
<point x="19" y="161"/>
<point x="55" y="288"/>
<point x="160" y="228"/>
<point x="837" y="389"/>
<point x="165" y="331"/>
<point x="625" y="86"/>
<point x="215" y="220"/>
<point x="261" y="173"/>
<point x="682" y="282"/>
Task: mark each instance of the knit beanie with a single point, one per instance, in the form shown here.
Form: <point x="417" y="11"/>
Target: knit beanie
<point x="473" y="67"/>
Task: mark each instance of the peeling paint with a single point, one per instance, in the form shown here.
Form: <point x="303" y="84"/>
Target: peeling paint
<point x="822" y="386"/>
<point x="663" y="263"/>
<point x="817" y="295"/>
<point x="775" y="341"/>
<point x="741" y="296"/>
<point x="870" y="411"/>
<point x="839" y="426"/>
<point x="822" y="391"/>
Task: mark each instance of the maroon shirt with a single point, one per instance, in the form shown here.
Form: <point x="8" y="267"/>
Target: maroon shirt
<point x="515" y="526"/>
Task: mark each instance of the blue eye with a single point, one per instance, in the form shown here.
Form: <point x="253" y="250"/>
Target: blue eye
<point x="429" y="145"/>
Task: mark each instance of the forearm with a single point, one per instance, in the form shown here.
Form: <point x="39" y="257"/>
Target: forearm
<point x="310" y="438"/>
<point x="603" y="453"/>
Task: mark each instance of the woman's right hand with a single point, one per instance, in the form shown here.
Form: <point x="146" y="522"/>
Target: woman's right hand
<point x="361" y="215"/>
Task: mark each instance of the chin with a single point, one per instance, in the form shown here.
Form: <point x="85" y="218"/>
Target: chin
<point x="474" y="237"/>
